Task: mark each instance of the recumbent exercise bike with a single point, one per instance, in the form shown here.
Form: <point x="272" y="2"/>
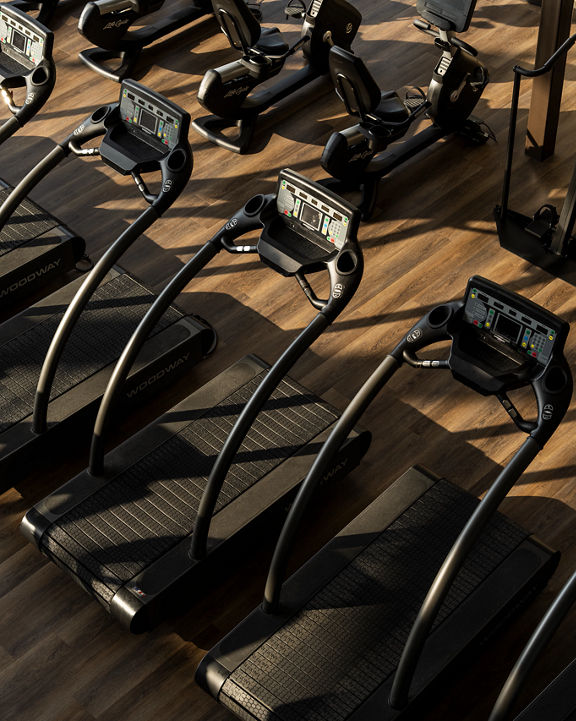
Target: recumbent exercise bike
<point x="226" y="91"/>
<point x="355" y="157"/>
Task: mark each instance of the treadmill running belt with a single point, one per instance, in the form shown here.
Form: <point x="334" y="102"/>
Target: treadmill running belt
<point x="147" y="509"/>
<point x="332" y="655"/>
<point x="26" y="223"/>
<point x="100" y="336"/>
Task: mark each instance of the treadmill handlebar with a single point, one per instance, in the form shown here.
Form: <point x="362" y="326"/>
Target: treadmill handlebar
<point x="321" y="465"/>
<point x="74" y="310"/>
<point x="432" y="328"/>
<point x="553" y="391"/>
<point x="399" y="694"/>
<point x="345" y="272"/>
<point x="94" y="126"/>
<point x="537" y="642"/>
<point x="39" y="85"/>
<point x="245" y="220"/>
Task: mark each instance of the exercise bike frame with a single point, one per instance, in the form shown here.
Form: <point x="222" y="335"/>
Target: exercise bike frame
<point x="358" y="158"/>
<point x="106" y="24"/>
<point x="227" y="91"/>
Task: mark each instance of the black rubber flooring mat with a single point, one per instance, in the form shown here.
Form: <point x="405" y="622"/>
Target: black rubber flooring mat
<point x="147" y="509"/>
<point x="100" y="336"/>
<point x="334" y="653"/>
<point x="26" y="223"/>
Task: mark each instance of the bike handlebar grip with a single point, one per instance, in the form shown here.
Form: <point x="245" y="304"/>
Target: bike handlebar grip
<point x="464" y="46"/>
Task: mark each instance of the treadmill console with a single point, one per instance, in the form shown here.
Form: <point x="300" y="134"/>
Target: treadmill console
<point x="512" y="322"/>
<point x="306" y="209"/>
<point x="150" y="117"/>
<point x="22" y="38"/>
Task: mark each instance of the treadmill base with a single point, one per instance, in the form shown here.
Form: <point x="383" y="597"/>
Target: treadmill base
<point x="345" y="615"/>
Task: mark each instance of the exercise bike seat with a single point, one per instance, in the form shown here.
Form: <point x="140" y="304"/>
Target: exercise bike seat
<point x="360" y="93"/>
<point x="272" y="43"/>
<point x="391" y="108"/>
<point x="244" y="31"/>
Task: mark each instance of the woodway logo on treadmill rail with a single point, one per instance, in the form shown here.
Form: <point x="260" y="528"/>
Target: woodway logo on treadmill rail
<point x="157" y="376"/>
<point x="30" y="278"/>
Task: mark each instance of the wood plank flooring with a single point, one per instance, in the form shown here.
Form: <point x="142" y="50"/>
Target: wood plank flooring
<point x="61" y="657"/>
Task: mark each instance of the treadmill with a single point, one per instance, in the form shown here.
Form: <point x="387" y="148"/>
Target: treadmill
<point x="342" y="637"/>
<point x="557" y="702"/>
<point x="145" y="531"/>
<point x="35" y="247"/>
<point x="56" y="356"/>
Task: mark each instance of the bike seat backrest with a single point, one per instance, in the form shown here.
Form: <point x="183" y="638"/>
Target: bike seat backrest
<point x="237" y="23"/>
<point x="452" y="15"/>
<point x="353" y="82"/>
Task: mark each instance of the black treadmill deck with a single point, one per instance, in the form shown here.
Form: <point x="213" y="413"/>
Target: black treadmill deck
<point x="35" y="248"/>
<point x="126" y="538"/>
<point x="104" y="328"/>
<point x="346" y="614"/>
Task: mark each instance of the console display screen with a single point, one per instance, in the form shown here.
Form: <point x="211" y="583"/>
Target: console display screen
<point x="509" y="324"/>
<point x="310" y="216"/>
<point x="313" y="217"/>
<point x="149" y="121"/>
<point x="507" y="327"/>
<point x="20" y="42"/>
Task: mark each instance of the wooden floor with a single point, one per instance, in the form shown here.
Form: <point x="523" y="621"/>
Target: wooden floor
<point x="61" y="657"/>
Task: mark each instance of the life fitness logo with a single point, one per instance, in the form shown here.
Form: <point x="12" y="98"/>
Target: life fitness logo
<point x="231" y="224"/>
<point x="548" y="412"/>
<point x="79" y="129"/>
<point x="349" y="28"/>
<point x="338" y="289"/>
<point x="414" y="335"/>
<point x="167" y="187"/>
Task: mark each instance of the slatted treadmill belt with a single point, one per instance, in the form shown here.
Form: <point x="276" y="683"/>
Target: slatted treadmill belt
<point x="147" y="509"/>
<point x="101" y="334"/>
<point x="27" y="222"/>
<point x="332" y="655"/>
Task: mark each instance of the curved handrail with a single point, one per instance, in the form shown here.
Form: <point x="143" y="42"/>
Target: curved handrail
<point x="549" y="64"/>
<point x="345" y="424"/>
<point x="124" y="364"/>
<point x="453" y="562"/>
<point x="242" y="425"/>
<point x="539" y="639"/>
<point x="74" y="310"/>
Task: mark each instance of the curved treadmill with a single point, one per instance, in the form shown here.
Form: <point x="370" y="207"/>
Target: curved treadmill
<point x="57" y="356"/>
<point x="35" y="247"/>
<point x="336" y="641"/>
<point x="143" y="531"/>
